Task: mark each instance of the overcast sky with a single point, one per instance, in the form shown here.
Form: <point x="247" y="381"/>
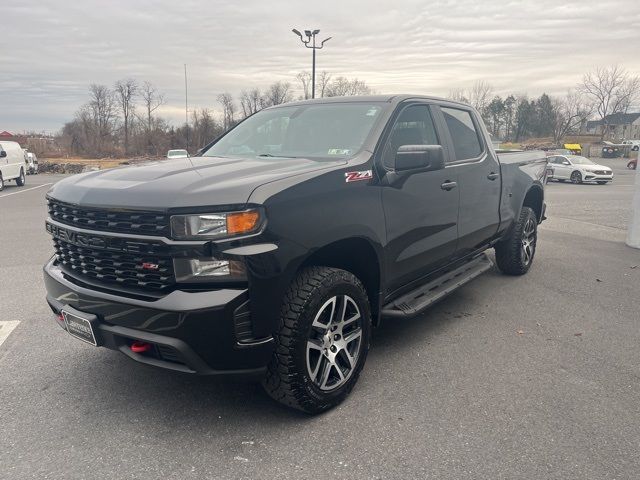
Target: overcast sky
<point x="51" y="51"/>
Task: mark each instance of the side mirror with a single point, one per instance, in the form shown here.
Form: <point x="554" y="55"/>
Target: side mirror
<point x="419" y="158"/>
<point x="566" y="162"/>
<point x="3" y="154"/>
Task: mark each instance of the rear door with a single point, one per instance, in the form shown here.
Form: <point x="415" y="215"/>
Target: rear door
<point x="421" y="211"/>
<point x="15" y="160"/>
<point x="478" y="171"/>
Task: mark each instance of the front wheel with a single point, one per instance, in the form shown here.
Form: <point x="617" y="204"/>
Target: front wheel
<point x="576" y="177"/>
<point x="322" y="341"/>
<point x="631" y="165"/>
<point x="1" y="183"/>
<point x="21" y="180"/>
<point x="514" y="254"/>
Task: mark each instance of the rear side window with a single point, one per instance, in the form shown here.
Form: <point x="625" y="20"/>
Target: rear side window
<point x="466" y="143"/>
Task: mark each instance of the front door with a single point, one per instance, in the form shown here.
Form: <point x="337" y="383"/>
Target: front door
<point x="421" y="211"/>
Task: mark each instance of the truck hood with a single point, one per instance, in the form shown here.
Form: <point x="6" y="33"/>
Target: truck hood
<point x="176" y="183"/>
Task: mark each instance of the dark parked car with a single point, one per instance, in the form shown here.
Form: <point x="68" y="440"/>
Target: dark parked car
<point x="275" y="252"/>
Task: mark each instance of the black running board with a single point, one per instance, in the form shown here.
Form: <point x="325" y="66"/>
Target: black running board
<point x="418" y="300"/>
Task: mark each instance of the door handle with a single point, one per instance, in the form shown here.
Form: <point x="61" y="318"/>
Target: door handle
<point x="448" y="185"/>
<point x="493" y="176"/>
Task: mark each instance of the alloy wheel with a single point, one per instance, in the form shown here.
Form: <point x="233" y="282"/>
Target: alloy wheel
<point x="528" y="241"/>
<point x="576" y="177"/>
<point x="334" y="342"/>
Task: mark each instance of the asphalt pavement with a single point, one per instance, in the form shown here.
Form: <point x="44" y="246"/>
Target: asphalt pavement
<point x="529" y="377"/>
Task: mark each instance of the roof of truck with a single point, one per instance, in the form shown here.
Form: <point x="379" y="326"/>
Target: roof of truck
<point x="390" y="98"/>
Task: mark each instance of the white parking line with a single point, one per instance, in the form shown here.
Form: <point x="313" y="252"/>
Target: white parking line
<point x="22" y="191"/>
<point x="6" y="328"/>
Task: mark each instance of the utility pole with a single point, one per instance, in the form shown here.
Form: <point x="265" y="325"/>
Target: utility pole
<point x="310" y="38"/>
<point x="186" y="106"/>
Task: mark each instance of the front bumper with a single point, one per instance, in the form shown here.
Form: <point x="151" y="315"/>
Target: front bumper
<point x="192" y="332"/>
<point x="595" y="177"/>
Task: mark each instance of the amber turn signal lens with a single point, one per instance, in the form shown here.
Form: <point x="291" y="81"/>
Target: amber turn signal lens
<point x="242" y="222"/>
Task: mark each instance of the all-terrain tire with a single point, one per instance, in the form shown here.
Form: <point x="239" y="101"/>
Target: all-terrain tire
<point x="21" y="180"/>
<point x="514" y="254"/>
<point x="288" y="379"/>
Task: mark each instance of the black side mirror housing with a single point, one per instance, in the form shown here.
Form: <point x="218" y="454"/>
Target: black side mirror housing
<point x="3" y="154"/>
<point x="419" y="158"/>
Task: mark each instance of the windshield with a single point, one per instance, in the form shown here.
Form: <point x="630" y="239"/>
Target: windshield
<point x="581" y="161"/>
<point x="317" y="131"/>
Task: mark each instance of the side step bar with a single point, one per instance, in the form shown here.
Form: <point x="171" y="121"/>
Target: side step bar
<point x="418" y="300"/>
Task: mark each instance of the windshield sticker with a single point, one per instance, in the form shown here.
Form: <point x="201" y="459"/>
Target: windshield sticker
<point x="339" y="151"/>
<point x="357" y="176"/>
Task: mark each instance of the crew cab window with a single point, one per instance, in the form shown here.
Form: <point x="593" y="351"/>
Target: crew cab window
<point x="466" y="142"/>
<point x="414" y="126"/>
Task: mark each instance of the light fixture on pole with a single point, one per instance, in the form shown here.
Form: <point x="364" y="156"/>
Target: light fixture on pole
<point x="309" y="41"/>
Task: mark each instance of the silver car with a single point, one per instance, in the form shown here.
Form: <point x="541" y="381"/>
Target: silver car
<point x="577" y="169"/>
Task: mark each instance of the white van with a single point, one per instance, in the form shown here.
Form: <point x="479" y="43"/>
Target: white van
<point x="12" y="163"/>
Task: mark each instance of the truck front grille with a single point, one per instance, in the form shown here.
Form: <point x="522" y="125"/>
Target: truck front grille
<point x="109" y="220"/>
<point x="147" y="271"/>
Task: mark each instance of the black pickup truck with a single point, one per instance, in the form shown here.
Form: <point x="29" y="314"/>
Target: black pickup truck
<point x="274" y="252"/>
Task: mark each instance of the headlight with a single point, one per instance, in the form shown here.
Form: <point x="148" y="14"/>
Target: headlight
<point x="215" y="225"/>
<point x="190" y="270"/>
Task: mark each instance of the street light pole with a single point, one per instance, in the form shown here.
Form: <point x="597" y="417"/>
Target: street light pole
<point x="310" y="38"/>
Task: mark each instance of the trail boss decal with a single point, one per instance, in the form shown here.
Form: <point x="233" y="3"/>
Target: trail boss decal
<point x="357" y="176"/>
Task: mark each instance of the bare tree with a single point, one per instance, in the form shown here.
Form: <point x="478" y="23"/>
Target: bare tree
<point x="152" y="100"/>
<point x="480" y="95"/>
<point x="250" y="101"/>
<point x="205" y="127"/>
<point x="612" y="90"/>
<point x="323" y="81"/>
<point x="102" y="113"/>
<point x="305" y="81"/>
<point x="228" y="110"/>
<point x="342" y="86"/>
<point x="457" y="95"/>
<point x="125" y="92"/>
<point x="571" y="112"/>
<point x="277" y="94"/>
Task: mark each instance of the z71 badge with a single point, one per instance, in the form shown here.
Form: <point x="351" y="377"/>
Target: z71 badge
<point x="357" y="176"/>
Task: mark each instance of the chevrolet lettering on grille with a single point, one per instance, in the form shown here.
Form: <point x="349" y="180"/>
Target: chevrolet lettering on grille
<point x="82" y="239"/>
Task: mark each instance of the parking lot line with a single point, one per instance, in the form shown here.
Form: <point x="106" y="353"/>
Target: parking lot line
<point x="23" y="191"/>
<point x="6" y="328"/>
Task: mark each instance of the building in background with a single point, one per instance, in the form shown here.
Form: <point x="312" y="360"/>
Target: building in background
<point x="618" y="126"/>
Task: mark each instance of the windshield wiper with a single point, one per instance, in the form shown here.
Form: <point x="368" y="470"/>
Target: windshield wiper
<point x="273" y="156"/>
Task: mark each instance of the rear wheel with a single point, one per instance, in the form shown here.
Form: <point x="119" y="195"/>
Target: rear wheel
<point x="322" y="342"/>
<point x="21" y="180"/>
<point x="514" y="254"/>
<point x="631" y="165"/>
<point x="576" y="177"/>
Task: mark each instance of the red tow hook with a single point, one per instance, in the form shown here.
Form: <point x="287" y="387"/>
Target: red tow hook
<point x="140" y="347"/>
